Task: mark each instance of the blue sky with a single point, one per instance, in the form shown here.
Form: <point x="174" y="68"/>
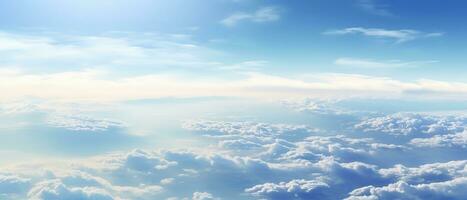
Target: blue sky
<point x="293" y="41"/>
<point x="247" y="45"/>
<point x="232" y="99"/>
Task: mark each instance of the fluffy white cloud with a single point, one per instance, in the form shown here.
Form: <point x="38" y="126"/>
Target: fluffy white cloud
<point x="294" y="189"/>
<point x="429" y="181"/>
<point x="341" y="147"/>
<point x="203" y="196"/>
<point x="413" y="124"/>
<point x="452" y="189"/>
<point x="55" y="190"/>
<point x="449" y="140"/>
<point x="82" y="123"/>
<point x="428" y="173"/>
<point x="136" y="175"/>
<point x="259" y="160"/>
<point x="258" y="130"/>
<point x="279" y="142"/>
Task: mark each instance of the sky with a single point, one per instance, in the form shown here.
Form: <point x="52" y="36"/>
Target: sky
<point x="232" y="99"/>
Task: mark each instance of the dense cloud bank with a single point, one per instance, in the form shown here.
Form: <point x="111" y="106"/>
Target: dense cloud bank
<point x="388" y="156"/>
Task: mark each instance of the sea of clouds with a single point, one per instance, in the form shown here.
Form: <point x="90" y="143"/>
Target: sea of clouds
<point x="401" y="155"/>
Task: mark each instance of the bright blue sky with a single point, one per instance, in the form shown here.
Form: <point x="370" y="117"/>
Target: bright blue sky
<point x="293" y="42"/>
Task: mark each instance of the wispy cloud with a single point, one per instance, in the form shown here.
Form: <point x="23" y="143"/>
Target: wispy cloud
<point x="93" y="69"/>
<point x="369" y="63"/>
<point x="400" y="36"/>
<point x="119" y="51"/>
<point x="375" y="8"/>
<point x="265" y="14"/>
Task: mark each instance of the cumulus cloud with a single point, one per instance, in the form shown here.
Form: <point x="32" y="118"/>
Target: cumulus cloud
<point x="265" y="14"/>
<point x="260" y="160"/>
<point x="294" y="189"/>
<point x="452" y="189"/>
<point x="458" y="140"/>
<point x="261" y="130"/>
<point x="69" y="182"/>
<point x="400" y="36"/>
<point x="413" y="124"/>
<point x="82" y="123"/>
<point x="279" y="142"/>
<point x="427" y="173"/>
<point x="203" y="196"/>
<point x="54" y="189"/>
<point x="73" y="117"/>
<point x="137" y="174"/>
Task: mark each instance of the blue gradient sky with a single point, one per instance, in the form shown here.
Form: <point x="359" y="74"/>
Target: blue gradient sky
<point x="291" y="44"/>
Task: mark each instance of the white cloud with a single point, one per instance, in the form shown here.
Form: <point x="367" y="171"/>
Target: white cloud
<point x="265" y="14"/>
<point x="203" y="196"/>
<point x="259" y="160"/>
<point x="294" y="189"/>
<point x="428" y="173"/>
<point x="400" y="36"/>
<point x="433" y="181"/>
<point x="413" y="124"/>
<point x="247" y="128"/>
<point x="452" y="189"/>
<point x="54" y="189"/>
<point x="135" y="174"/>
<point x="248" y="135"/>
<point x="368" y="63"/>
<point x="78" y="122"/>
<point x="449" y="140"/>
<point x="278" y="142"/>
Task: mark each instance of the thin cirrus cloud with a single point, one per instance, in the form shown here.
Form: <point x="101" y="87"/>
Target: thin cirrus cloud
<point x="262" y="15"/>
<point x="399" y="36"/>
<point x="370" y="63"/>
<point x="112" y="49"/>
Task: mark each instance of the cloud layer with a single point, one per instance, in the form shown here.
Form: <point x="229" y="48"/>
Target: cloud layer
<point x="251" y="160"/>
